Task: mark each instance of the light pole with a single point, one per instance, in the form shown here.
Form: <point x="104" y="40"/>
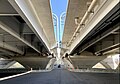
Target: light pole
<point x="61" y="30"/>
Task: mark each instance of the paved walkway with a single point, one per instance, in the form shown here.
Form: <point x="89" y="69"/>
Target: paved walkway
<point x="61" y="76"/>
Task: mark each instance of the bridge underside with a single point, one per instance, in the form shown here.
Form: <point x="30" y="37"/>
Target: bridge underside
<point x="90" y="43"/>
<point x="93" y="36"/>
<point x="23" y="33"/>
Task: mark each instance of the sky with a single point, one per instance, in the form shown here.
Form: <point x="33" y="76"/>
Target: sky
<point x="58" y="7"/>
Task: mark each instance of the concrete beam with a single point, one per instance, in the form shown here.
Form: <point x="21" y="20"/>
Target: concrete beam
<point x="29" y="15"/>
<point x="80" y="61"/>
<point x="10" y="48"/>
<point x="9" y="14"/>
<point x="112" y="47"/>
<point x="8" y="29"/>
<point x="98" y="16"/>
<point x="50" y="64"/>
<point x="35" y="62"/>
<point x="5" y="63"/>
<point x="9" y="64"/>
<point x="105" y="65"/>
<point x="6" y="9"/>
<point x="100" y="37"/>
<point x="5" y="52"/>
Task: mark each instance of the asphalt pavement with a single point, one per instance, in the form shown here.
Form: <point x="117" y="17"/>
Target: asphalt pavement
<point x="62" y="76"/>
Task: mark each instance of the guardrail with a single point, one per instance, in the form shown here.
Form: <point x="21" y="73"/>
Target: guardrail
<point x="94" y="70"/>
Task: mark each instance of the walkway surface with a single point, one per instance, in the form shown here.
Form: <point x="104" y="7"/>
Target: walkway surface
<point x="61" y="76"/>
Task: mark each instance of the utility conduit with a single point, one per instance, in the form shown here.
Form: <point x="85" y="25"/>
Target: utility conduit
<point x="82" y="21"/>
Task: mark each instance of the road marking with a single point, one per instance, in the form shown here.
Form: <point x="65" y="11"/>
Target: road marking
<point x="13" y="76"/>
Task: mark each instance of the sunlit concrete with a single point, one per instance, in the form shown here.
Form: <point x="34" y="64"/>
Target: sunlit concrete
<point x="100" y="10"/>
<point x="41" y="22"/>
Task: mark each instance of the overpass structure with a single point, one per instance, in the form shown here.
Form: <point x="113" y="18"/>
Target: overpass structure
<point x="24" y="29"/>
<point x="91" y="39"/>
<point x="92" y="29"/>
